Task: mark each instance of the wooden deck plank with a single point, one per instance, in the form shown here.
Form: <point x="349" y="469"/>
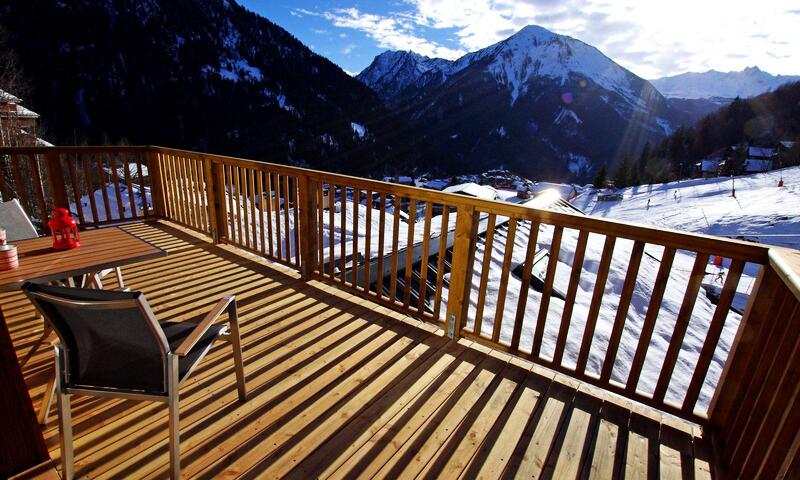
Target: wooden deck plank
<point x="342" y="387"/>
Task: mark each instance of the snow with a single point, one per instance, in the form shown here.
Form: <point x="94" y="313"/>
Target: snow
<point x="473" y="189"/>
<point x="358" y="129"/>
<point x="747" y="83"/>
<point x="535" y="51"/>
<point x="760" y="211"/>
<point x="114" y="212"/>
<point x="665" y="125"/>
<point x="578" y="164"/>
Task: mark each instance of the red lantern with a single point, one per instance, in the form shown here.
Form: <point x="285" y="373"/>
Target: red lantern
<point x="64" y="229"/>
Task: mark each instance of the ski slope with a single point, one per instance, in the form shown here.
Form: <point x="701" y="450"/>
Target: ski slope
<point x="760" y="212"/>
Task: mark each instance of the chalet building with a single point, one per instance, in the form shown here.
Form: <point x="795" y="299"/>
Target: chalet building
<point x="759" y="159"/>
<point x="17" y="123"/>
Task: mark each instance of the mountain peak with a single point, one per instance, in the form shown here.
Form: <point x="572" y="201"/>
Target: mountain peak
<point x="534" y="32"/>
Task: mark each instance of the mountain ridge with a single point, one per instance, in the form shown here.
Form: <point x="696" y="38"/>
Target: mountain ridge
<point x="538" y="102"/>
<point x="713" y="84"/>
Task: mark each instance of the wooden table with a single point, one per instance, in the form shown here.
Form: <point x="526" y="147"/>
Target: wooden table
<point x="21" y="441"/>
<point x="99" y="250"/>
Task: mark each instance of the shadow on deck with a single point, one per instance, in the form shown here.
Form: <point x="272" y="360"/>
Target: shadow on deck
<point x="341" y="387"/>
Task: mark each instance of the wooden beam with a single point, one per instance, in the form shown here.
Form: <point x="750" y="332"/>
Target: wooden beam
<point x="461" y="273"/>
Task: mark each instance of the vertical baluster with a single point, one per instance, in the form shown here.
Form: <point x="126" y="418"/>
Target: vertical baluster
<point x="486" y="265"/>
<point x="343" y="236"/>
<point x="296" y="212"/>
<point x="203" y="188"/>
<point x="622" y="311"/>
<point x="331" y="230"/>
<point x="597" y="300"/>
<point x="76" y="191"/>
<point x="228" y="171"/>
<point x="268" y="179"/>
<point x="381" y="238"/>
<point x="681" y="325"/>
<point x="355" y="267"/>
<point x="572" y="291"/>
<point x="286" y="218"/>
<point x="87" y="173"/>
<point x="241" y="209"/>
<point x="395" y="244"/>
<point x="112" y="165"/>
<point x="251" y="195"/>
<point x="409" y="252"/>
<point x="320" y="226"/>
<point x="712" y="337"/>
<point x="260" y="196"/>
<point x="649" y="323"/>
<point x="527" y="273"/>
<point x="423" y="269"/>
<point x="126" y="170"/>
<point x="368" y="244"/>
<point x="142" y="189"/>
<point x="104" y="182"/>
<point x="445" y="231"/>
<point x="38" y="187"/>
<point x="501" y="296"/>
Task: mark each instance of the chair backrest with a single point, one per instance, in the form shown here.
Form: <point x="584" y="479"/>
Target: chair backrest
<point x="16" y="222"/>
<point x="111" y="339"/>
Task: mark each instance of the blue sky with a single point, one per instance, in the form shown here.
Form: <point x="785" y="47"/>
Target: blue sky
<point x="652" y="38"/>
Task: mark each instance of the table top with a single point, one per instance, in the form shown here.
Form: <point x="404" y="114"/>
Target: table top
<point x="100" y="249"/>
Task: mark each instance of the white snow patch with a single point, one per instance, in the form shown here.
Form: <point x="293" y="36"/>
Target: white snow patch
<point x="358" y="129"/>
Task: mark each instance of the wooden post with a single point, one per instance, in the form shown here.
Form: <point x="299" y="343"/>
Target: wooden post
<point x="55" y="176"/>
<point x="156" y="185"/>
<point x="217" y="201"/>
<point x="308" y="225"/>
<point x="461" y="273"/>
<point x="210" y="191"/>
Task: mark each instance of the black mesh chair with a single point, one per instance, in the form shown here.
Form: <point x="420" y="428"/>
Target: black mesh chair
<point x="111" y="345"/>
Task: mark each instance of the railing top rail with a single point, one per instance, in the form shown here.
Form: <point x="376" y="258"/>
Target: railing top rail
<point x="786" y="263"/>
<point x="700" y="243"/>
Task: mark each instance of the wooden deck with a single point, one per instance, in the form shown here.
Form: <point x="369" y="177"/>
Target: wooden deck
<point x="341" y="387"/>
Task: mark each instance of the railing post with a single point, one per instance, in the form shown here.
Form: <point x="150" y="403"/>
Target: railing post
<point x="308" y="225"/>
<point x="216" y="198"/>
<point x="156" y="185"/>
<point x="461" y="272"/>
<point x="210" y="191"/>
<point x="55" y="176"/>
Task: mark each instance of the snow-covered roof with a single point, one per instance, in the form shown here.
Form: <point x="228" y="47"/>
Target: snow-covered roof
<point x="7" y="97"/>
<point x="437" y="184"/>
<point x="564" y="190"/>
<point x="474" y="190"/>
<point x="788" y="144"/>
<point x="760" y="152"/>
<point x="757" y="165"/>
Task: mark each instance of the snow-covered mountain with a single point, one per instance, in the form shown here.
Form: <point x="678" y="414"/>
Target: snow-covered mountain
<point x="205" y="75"/>
<point x="542" y="103"/>
<point x="712" y="84"/>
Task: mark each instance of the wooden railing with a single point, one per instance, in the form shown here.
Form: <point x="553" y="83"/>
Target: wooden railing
<point x="101" y="185"/>
<point x="607" y="286"/>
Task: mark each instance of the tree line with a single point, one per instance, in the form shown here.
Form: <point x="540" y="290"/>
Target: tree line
<point x="761" y="121"/>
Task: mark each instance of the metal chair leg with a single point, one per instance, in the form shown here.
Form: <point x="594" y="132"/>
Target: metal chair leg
<point x="174" y="420"/>
<point x="236" y="344"/>
<point x="64" y="423"/>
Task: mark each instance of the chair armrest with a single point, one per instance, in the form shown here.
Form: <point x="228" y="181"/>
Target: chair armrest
<point x="186" y="346"/>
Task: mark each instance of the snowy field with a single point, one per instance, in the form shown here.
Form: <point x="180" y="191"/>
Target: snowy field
<point x="760" y="211"/>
